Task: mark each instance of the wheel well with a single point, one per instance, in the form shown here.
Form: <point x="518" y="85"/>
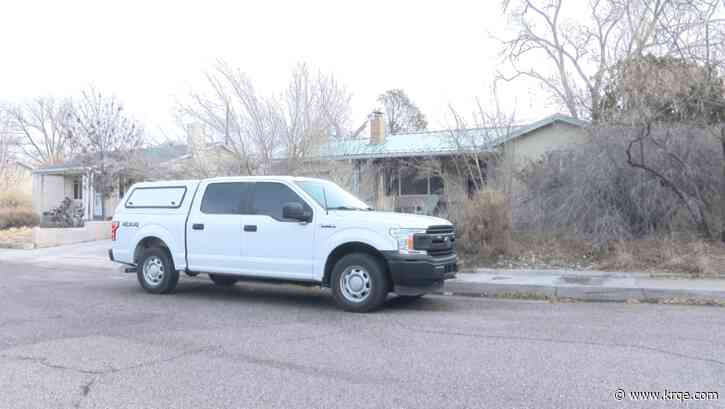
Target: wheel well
<point x="150" y="242"/>
<point x="349" y="248"/>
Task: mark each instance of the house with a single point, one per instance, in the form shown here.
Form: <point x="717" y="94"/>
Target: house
<point x="419" y="171"/>
<point x="74" y="179"/>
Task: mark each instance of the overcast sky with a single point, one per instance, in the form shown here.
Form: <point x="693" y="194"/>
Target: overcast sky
<point x="149" y="53"/>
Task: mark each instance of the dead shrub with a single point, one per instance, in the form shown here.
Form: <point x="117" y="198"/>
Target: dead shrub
<point x="484" y="225"/>
<point x="593" y="193"/>
<point x="12" y="199"/>
<point x="18" y="217"/>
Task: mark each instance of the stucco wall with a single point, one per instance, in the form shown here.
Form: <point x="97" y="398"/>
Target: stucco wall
<point x="48" y="192"/>
<point x="44" y="237"/>
<point x="533" y="146"/>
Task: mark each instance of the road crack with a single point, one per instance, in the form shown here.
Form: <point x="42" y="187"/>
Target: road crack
<point x="566" y="342"/>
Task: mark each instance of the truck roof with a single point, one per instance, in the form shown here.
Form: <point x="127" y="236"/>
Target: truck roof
<point x="227" y="179"/>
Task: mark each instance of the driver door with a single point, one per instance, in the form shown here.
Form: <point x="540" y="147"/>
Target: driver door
<point x="275" y="246"/>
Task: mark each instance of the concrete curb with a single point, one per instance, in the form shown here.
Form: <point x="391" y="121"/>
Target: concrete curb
<point x="583" y="293"/>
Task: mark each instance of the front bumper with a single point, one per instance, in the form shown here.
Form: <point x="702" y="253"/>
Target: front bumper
<point x="419" y="273"/>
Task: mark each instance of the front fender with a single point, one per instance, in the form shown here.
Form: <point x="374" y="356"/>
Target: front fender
<point x="353" y="234"/>
<point x="176" y="247"/>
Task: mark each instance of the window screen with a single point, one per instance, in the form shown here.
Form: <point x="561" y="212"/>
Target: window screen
<point x="163" y="197"/>
<point x="224" y="198"/>
<point x="270" y="198"/>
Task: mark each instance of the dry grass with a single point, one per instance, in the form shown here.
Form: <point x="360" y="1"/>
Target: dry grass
<point x="695" y="258"/>
<point x="692" y="258"/>
<point x="15" y="217"/>
<point x="16" y="238"/>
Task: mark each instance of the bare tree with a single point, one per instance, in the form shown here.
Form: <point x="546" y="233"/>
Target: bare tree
<point x="8" y="145"/>
<point x="260" y="128"/>
<point x="401" y="114"/>
<point x="42" y="123"/>
<point x="580" y="48"/>
<point x="107" y="138"/>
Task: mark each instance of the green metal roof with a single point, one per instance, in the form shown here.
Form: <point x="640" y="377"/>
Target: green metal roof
<point x="433" y="143"/>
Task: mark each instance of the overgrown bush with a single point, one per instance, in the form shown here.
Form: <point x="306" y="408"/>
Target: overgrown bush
<point x="18" y="217"/>
<point x="483" y="225"/>
<point x="67" y="214"/>
<point x="594" y="192"/>
<point x="12" y="199"/>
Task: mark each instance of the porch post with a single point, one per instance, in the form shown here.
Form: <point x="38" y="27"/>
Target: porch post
<point x="87" y="181"/>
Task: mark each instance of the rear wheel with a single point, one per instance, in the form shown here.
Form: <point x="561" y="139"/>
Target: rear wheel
<point x="359" y="283"/>
<point x="222" y="280"/>
<point x="156" y="272"/>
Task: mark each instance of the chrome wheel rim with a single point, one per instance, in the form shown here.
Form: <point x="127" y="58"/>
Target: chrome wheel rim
<point x="355" y="284"/>
<point x="153" y="270"/>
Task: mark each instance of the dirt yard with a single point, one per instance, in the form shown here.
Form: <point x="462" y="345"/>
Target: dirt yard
<point x="16" y="238"/>
<point x="694" y="258"/>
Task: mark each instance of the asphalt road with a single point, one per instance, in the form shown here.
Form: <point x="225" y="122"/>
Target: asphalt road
<point x="89" y="337"/>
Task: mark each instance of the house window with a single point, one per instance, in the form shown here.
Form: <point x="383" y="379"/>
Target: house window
<point x="413" y="182"/>
<point x="78" y="189"/>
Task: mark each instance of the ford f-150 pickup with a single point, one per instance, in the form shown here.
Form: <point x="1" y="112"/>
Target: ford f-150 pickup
<point x="283" y="229"/>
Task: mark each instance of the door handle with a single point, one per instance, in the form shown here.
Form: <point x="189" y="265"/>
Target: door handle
<point x="250" y="227"/>
<point x="198" y="226"/>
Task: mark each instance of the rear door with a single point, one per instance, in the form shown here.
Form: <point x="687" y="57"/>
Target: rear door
<point x="214" y="230"/>
<point x="275" y="246"/>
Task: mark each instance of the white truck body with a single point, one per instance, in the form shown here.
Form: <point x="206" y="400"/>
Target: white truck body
<point x="199" y="225"/>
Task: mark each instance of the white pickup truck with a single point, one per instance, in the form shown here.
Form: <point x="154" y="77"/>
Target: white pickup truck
<point x="283" y="229"/>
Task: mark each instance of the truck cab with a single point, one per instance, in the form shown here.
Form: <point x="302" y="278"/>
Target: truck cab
<point x="284" y="229"/>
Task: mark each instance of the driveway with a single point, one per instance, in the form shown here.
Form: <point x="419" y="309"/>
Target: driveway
<point x="89" y="254"/>
<point x="87" y="336"/>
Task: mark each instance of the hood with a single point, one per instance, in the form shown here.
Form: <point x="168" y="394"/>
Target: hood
<point x="394" y="219"/>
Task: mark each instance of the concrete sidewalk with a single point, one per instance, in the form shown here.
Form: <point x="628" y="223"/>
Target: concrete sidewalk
<point x="585" y="286"/>
<point x="551" y="284"/>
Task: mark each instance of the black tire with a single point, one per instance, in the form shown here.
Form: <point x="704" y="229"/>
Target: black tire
<point x="377" y="284"/>
<point x="169" y="278"/>
<point x="222" y="280"/>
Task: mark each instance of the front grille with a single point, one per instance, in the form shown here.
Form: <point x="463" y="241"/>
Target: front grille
<point x="445" y="229"/>
<point x="441" y="253"/>
<point x="438" y="241"/>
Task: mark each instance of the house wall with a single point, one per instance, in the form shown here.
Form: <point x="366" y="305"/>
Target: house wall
<point x="48" y="192"/>
<point x="557" y="136"/>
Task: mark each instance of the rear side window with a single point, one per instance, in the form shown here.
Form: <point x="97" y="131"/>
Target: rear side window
<point x="224" y="198"/>
<point x="165" y="197"/>
<point x="269" y="198"/>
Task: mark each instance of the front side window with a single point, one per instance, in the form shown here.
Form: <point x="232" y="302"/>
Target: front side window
<point x="331" y="196"/>
<point x="269" y="198"/>
<point x="224" y="198"/>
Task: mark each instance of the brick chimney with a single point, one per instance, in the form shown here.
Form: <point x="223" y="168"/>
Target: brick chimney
<point x="377" y="128"/>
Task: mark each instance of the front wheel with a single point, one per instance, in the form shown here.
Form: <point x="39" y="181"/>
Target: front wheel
<point x="156" y="272"/>
<point x="359" y="283"/>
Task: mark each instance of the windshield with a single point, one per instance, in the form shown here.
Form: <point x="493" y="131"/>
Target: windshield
<point x="332" y="196"/>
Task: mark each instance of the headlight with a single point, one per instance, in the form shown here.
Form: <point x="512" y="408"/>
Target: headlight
<point x="404" y="238"/>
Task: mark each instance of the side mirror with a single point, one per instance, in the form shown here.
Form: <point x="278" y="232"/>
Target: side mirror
<point x="295" y="211"/>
